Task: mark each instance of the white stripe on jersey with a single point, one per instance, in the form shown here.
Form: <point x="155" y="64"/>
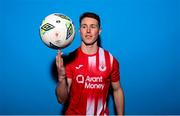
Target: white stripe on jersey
<point x="91" y="62"/>
<point x="90" y="107"/>
<point x="105" y="108"/>
<point x="99" y="107"/>
<point x="111" y="59"/>
<point x="102" y="62"/>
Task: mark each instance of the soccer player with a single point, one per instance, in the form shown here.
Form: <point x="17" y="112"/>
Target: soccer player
<point x="85" y="76"/>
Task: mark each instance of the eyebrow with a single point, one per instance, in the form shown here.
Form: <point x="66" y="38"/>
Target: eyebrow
<point x="90" y="25"/>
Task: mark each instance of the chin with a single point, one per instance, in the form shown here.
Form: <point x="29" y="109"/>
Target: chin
<point x="90" y="42"/>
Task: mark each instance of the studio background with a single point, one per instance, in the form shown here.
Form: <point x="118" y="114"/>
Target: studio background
<point x="142" y="34"/>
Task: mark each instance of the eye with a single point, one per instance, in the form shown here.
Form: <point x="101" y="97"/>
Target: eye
<point x="58" y="21"/>
<point x="83" y="26"/>
<point x="94" y="26"/>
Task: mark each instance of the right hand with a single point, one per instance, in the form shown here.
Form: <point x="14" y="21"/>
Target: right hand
<point x="60" y="66"/>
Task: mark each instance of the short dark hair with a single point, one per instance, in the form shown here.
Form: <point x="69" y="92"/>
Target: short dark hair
<point x="90" y="15"/>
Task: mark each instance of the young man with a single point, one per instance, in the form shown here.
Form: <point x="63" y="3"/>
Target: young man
<point x="84" y="80"/>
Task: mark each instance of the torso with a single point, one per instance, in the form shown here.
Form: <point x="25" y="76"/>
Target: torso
<point x="90" y="76"/>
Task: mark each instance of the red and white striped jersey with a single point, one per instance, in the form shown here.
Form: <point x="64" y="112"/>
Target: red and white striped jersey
<point x="91" y="76"/>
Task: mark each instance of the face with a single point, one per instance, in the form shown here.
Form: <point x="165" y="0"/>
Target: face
<point x="89" y="30"/>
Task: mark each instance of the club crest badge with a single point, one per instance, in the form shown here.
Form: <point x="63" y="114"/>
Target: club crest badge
<point x="102" y="68"/>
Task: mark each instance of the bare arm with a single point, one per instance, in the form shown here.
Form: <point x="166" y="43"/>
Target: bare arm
<point x="118" y="97"/>
<point x="62" y="90"/>
<point x="63" y="86"/>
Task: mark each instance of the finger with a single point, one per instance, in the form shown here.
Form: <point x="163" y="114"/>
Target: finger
<point x="59" y="59"/>
<point x="59" y="55"/>
<point x="61" y="62"/>
<point x="59" y="52"/>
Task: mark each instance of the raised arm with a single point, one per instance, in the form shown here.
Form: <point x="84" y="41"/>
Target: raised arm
<point x="63" y="86"/>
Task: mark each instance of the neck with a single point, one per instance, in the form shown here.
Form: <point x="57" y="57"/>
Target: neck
<point x="89" y="49"/>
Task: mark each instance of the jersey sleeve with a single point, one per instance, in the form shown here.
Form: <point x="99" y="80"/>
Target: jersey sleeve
<point x="115" y="73"/>
<point x="69" y="71"/>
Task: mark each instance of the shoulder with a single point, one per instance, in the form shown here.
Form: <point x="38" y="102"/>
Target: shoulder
<point x="107" y="52"/>
<point x="104" y="50"/>
<point x="113" y="60"/>
<point x="109" y="57"/>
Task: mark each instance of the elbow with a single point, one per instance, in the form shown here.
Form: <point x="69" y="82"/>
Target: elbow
<point x="61" y="100"/>
<point x="62" y="95"/>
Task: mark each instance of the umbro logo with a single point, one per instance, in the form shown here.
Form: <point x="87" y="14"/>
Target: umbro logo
<point x="78" y="67"/>
<point x="47" y="27"/>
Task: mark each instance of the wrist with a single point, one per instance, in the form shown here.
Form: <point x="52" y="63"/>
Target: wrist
<point x="60" y="78"/>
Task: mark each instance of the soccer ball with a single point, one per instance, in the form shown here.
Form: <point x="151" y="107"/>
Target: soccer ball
<point x="57" y="31"/>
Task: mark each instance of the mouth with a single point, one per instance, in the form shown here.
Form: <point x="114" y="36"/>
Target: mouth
<point x="88" y="36"/>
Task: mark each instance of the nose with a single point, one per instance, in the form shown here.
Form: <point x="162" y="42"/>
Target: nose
<point x="88" y="30"/>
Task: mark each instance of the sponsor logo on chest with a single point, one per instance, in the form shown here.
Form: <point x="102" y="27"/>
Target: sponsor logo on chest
<point x="89" y="82"/>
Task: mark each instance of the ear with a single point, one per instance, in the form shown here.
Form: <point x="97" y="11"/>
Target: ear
<point x="100" y="31"/>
